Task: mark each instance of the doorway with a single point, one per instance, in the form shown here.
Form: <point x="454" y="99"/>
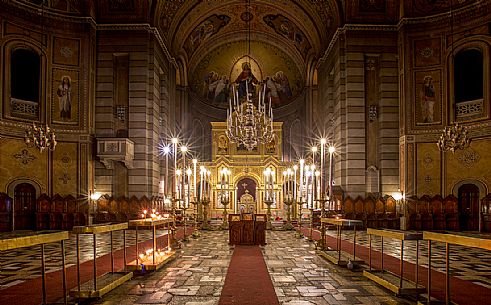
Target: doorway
<point x="468" y="207"/>
<point x="246" y="196"/>
<point x="24" y="207"/>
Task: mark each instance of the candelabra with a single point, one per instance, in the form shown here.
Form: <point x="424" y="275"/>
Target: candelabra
<point x="289" y="201"/>
<point x="40" y="137"/>
<point x="174" y="243"/>
<point x="205" y="202"/>
<point x="184" y="207"/>
<point x="453" y="137"/>
<point x="311" y="229"/>
<point x="268" y="201"/>
<point x="196" y="233"/>
<point x="321" y="243"/>
<point x="224" y="200"/>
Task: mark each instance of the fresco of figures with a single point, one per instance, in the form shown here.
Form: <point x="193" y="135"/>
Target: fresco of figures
<point x="217" y="89"/>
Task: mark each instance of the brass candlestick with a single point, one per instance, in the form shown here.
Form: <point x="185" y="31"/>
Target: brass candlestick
<point x="288" y="225"/>
<point x="321" y="241"/>
<point x="205" y="202"/>
<point x="268" y="203"/>
<point x="173" y="240"/>
<point x="225" y="202"/>
<point x="311" y="223"/>
<point x="196" y="233"/>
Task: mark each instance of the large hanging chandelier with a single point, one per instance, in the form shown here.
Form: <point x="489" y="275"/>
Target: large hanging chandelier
<point x="249" y="119"/>
<point x="40" y="137"/>
<point x="247" y="124"/>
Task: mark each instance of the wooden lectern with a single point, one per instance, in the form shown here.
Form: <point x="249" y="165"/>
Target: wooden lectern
<point x="247" y="229"/>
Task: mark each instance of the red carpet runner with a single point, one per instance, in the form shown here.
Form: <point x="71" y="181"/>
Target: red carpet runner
<point x="248" y="281"/>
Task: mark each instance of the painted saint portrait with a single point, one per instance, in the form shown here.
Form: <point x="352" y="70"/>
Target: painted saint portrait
<point x="428" y="100"/>
<point x="64" y="94"/>
<point x="65" y="98"/>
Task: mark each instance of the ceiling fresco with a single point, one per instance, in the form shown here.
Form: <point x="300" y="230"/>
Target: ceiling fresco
<point x="316" y="20"/>
<point x="212" y="78"/>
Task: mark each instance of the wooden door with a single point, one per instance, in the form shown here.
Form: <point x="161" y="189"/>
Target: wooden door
<point x="24" y="207"/>
<point x="469" y="207"/>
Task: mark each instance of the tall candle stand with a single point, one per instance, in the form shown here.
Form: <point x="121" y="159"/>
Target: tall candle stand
<point x="321" y="241"/>
<point x="196" y="233"/>
<point x="288" y="201"/>
<point x="224" y="201"/>
<point x="205" y="202"/>
<point x="173" y="228"/>
<point x="311" y="229"/>
<point x="183" y="209"/>
<point x="299" y="217"/>
<point x="268" y="202"/>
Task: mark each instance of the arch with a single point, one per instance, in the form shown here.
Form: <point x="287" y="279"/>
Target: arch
<point x="14" y="182"/>
<point x="474" y="109"/>
<point x="21" y="105"/>
<point x="483" y="188"/>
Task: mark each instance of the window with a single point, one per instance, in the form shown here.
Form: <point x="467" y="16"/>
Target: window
<point x="24" y="83"/>
<point x="468" y="75"/>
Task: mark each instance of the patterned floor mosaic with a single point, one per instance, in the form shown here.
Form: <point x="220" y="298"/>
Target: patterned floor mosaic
<point x="22" y="264"/>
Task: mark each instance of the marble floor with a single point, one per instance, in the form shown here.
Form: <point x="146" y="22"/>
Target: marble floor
<point x="299" y="276"/>
<point x="466" y="263"/>
<point x="17" y="266"/>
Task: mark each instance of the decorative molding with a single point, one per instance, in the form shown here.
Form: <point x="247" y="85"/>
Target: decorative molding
<point x="141" y="27"/>
<point x="354" y="27"/>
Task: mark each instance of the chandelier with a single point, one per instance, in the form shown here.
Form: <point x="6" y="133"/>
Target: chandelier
<point x="40" y="137"/>
<point x="453" y="137"/>
<point x="247" y="124"/>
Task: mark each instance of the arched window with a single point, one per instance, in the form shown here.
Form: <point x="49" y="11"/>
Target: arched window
<point x="25" y="71"/>
<point x="469" y="75"/>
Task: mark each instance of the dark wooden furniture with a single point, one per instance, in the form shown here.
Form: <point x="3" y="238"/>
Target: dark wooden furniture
<point x="247" y="229"/>
<point x="260" y="229"/>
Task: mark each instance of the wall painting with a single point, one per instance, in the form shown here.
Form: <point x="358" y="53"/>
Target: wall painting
<point x="65" y="94"/>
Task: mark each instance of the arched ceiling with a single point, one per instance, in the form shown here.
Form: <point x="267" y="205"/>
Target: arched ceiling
<point x="285" y="36"/>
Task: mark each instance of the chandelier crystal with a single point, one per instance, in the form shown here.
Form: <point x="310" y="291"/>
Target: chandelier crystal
<point x="40" y="137"/>
<point x="247" y="124"/>
<point x="453" y="137"/>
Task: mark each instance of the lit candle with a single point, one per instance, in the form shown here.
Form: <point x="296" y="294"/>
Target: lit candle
<point x="295" y="167"/>
<point x="195" y="190"/>
<point x="174" y="144"/>
<point x="302" y="161"/>
<point x="322" y="186"/>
